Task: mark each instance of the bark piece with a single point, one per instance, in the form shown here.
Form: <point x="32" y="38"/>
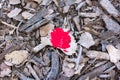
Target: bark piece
<point x="111" y="24"/>
<point x="36" y="18"/>
<point x="106" y="4"/>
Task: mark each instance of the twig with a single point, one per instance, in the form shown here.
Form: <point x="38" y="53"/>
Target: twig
<point x="96" y="71"/>
<point x="32" y="71"/>
<point x="52" y="75"/>
<point x="21" y="76"/>
<point x="9" y="25"/>
<point x="38" y="48"/>
<point x="38" y="60"/>
<point x="37" y="25"/>
<point x="34" y="19"/>
<point x="78" y="58"/>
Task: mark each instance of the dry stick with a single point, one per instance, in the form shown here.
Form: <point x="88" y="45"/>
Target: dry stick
<point x="97" y="71"/>
<point x="78" y="58"/>
<point x="32" y="71"/>
<point x="52" y="75"/>
<point x="38" y="60"/>
<point x="38" y="48"/>
<point x="9" y="25"/>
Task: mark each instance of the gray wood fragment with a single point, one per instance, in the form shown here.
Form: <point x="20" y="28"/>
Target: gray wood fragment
<point x="111" y="24"/>
<point x="106" y="4"/>
<point x="52" y="75"/>
<point x="97" y="71"/>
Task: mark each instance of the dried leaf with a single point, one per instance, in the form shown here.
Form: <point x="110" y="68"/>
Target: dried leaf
<point x="14" y="12"/>
<point x="113" y="53"/>
<point x="86" y="40"/>
<point x="16" y="57"/>
<point x="13" y="2"/>
<point x="97" y="54"/>
<point x="27" y="15"/>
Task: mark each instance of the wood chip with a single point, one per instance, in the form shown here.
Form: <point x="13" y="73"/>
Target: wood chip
<point x="106" y="4"/>
<point x="14" y="12"/>
<point x="113" y="53"/>
<point x="86" y="40"/>
<point x="13" y="2"/>
<point x="111" y="24"/>
<point x="82" y="14"/>
<point x="27" y="15"/>
<point x="97" y="54"/>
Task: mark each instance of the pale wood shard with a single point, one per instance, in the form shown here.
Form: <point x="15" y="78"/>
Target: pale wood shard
<point x="14" y="2"/>
<point x="90" y="15"/>
<point x="106" y="4"/>
<point x="27" y="15"/>
<point x="97" y="54"/>
<point x="113" y="53"/>
<point x="14" y="12"/>
<point x="111" y="24"/>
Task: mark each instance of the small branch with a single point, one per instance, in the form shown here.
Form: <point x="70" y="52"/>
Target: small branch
<point x="38" y="60"/>
<point x="96" y="71"/>
<point x="78" y="58"/>
<point x="9" y="25"/>
<point x="21" y="76"/>
<point x="32" y="72"/>
<point x="38" y="48"/>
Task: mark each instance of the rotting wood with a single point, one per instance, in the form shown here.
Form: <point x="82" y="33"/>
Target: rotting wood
<point x="52" y="75"/>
